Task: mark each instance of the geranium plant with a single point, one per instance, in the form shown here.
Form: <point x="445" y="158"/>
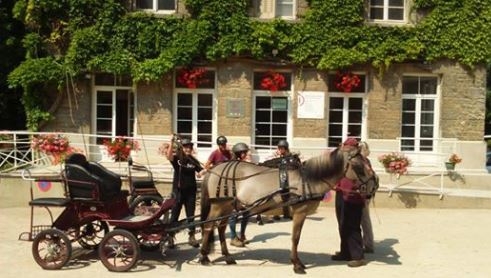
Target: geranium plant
<point x="120" y="148"/>
<point x="53" y="144"/>
<point x="346" y="81"/>
<point x="191" y="77"/>
<point x="395" y="163"/>
<point x="273" y="81"/>
<point x="454" y="159"/>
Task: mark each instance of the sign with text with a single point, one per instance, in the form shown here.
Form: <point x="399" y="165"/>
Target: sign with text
<point x="310" y="105"/>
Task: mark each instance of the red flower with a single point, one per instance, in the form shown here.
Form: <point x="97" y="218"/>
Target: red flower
<point x="346" y="81"/>
<point x="120" y="148"/>
<point x="191" y="78"/>
<point x="273" y="81"/>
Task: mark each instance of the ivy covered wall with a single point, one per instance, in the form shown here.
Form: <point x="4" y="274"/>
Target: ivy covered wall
<point x="67" y="38"/>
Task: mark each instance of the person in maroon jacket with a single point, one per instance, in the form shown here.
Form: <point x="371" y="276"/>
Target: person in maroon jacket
<point x="221" y="154"/>
<point x="349" y="207"/>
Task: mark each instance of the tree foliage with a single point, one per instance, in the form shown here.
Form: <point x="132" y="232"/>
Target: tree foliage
<point x="77" y="36"/>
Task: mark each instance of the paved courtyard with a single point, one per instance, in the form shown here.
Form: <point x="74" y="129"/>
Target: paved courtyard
<point x="409" y="243"/>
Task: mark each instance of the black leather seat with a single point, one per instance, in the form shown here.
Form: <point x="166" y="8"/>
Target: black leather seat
<point x="90" y="180"/>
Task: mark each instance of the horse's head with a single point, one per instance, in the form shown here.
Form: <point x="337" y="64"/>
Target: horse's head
<point x="359" y="169"/>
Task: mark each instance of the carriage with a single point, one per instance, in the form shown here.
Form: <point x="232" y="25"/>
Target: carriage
<point x="228" y="187"/>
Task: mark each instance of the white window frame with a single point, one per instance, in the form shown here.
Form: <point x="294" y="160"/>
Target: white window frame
<point x="264" y="93"/>
<point x="113" y="89"/>
<point x="267" y="9"/>
<point x="195" y="92"/>
<point x="346" y="97"/>
<point x="386" y="13"/>
<point x="436" y="120"/>
<point x="155" y="10"/>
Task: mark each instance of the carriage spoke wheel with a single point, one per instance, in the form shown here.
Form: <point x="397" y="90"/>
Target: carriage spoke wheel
<point x="119" y="250"/>
<point x="145" y="204"/>
<point x="91" y="234"/>
<point x="51" y="249"/>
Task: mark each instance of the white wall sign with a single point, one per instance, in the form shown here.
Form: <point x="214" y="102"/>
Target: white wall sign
<point x="310" y="105"/>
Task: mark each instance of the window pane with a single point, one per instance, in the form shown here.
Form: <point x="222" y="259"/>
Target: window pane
<point x="426" y="132"/>
<point x="354" y="117"/>
<point x="185" y="99"/>
<point x="354" y="130"/>
<point x="263" y="116"/>
<point x="336" y="102"/>
<point x="408" y="105"/>
<point x="280" y="116"/>
<point x="408" y="118"/>
<point x="263" y="141"/>
<point x="263" y="102"/>
<point x="184" y="113"/>
<point x="204" y="127"/>
<point x="355" y="103"/>
<point x="205" y="100"/>
<point x="396" y="14"/>
<point x="279" y="129"/>
<point x="104" y="112"/>
<point x="377" y="2"/>
<point x="408" y="131"/>
<point x="376" y="13"/>
<point x="410" y="85"/>
<point x="426" y="145"/>
<point x="262" y="129"/>
<point x="335" y="129"/>
<point x="399" y="3"/>
<point x="427" y="105"/>
<point x="166" y="5"/>
<point x="104" y="97"/>
<point x="407" y="145"/>
<point x="204" y="113"/>
<point x="336" y="116"/>
<point x="284" y="8"/>
<point x="204" y="138"/>
<point x="144" y="4"/>
<point x="428" y="85"/>
<point x="427" y="118"/>
<point x="184" y="128"/>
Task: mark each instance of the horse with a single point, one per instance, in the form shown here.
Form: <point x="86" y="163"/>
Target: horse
<point x="237" y="186"/>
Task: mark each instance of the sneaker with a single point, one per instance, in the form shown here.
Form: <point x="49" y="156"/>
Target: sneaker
<point x="237" y="242"/>
<point x="339" y="257"/>
<point x="193" y="242"/>
<point x="357" y="263"/>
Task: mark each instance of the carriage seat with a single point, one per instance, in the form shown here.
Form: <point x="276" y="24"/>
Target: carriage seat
<point x="49" y="202"/>
<point x="90" y="180"/>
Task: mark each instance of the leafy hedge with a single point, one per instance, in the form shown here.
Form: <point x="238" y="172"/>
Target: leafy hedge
<point x="76" y="36"/>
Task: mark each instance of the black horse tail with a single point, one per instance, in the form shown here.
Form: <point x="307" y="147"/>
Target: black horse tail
<point x="205" y="210"/>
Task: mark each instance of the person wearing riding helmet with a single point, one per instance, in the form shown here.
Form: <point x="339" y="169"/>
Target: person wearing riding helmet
<point x="241" y="152"/>
<point x="282" y="150"/>
<point x="184" y="186"/>
<point x="221" y="154"/>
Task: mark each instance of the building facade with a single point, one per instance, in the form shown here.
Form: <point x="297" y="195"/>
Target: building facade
<point x="426" y="109"/>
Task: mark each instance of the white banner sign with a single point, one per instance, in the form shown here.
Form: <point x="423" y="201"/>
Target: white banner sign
<point x="310" y="105"/>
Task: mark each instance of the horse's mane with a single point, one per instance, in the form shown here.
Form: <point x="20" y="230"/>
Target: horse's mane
<point x="324" y="166"/>
<point x="293" y="161"/>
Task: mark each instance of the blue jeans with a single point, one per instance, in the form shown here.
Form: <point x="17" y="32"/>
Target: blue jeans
<point x="232" y="222"/>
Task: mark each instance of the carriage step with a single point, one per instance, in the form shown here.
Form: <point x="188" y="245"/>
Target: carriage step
<point x="49" y="202"/>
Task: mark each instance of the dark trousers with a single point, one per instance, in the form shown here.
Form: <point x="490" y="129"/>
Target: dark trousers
<point x="232" y="223"/>
<point x="186" y="198"/>
<point x="338" y="204"/>
<point x="351" y="240"/>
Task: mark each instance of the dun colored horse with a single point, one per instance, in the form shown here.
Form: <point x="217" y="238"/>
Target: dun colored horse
<point x="237" y="185"/>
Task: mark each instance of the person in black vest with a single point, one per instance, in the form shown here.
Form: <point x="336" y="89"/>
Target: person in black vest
<point x="184" y="187"/>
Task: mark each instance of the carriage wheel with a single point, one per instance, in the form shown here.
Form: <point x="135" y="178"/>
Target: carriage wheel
<point x="51" y="249"/>
<point x="91" y="234"/>
<point x="119" y="250"/>
<point x="145" y="204"/>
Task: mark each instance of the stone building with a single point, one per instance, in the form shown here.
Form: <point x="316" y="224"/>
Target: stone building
<point x="426" y="110"/>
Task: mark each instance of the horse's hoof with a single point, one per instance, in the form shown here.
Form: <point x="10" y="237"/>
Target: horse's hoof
<point x="205" y="261"/>
<point x="299" y="270"/>
<point x="230" y="261"/>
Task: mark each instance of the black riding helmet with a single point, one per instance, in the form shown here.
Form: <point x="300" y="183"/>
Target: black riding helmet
<point x="283" y="143"/>
<point x="221" y="140"/>
<point x="239" y="148"/>
<point x="186" y="142"/>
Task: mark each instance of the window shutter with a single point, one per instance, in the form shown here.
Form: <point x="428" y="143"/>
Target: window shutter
<point x="266" y="9"/>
